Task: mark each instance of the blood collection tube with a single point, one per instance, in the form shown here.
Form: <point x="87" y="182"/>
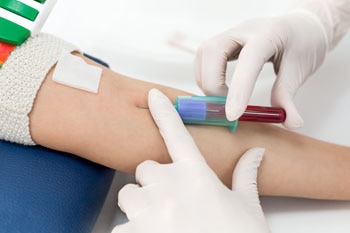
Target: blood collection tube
<point x="210" y="110"/>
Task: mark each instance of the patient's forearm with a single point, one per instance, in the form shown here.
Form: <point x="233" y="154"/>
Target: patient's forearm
<point x="109" y="128"/>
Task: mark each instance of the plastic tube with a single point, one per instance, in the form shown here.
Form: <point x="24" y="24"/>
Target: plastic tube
<point x="210" y="110"/>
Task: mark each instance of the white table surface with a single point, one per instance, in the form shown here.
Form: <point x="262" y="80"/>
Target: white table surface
<point x="125" y="35"/>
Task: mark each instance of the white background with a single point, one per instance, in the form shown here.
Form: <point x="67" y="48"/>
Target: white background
<point x="132" y="36"/>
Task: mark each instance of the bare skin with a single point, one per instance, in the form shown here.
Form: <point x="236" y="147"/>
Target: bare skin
<point x="110" y="128"/>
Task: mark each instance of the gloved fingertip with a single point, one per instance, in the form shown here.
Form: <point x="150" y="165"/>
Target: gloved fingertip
<point x="158" y="102"/>
<point x="293" y="121"/>
<point x="284" y="99"/>
<point x="255" y="155"/>
<point x="233" y="110"/>
<point x="246" y="171"/>
<point x="154" y="94"/>
<point x="293" y="125"/>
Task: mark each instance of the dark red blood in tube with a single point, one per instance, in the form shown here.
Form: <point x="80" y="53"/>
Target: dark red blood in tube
<point x="263" y="114"/>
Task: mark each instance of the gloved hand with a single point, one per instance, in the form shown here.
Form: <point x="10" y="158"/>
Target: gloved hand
<point x="186" y="196"/>
<point x="296" y="43"/>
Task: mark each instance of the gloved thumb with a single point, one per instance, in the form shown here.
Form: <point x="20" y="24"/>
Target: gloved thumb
<point x="244" y="177"/>
<point x="244" y="182"/>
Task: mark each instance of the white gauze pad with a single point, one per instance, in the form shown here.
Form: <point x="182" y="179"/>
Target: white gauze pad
<point x="73" y="71"/>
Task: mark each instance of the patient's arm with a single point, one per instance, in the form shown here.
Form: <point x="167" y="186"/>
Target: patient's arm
<point x="109" y="128"/>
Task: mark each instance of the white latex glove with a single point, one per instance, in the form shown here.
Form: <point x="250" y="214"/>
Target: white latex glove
<point x="186" y="196"/>
<point x="296" y="43"/>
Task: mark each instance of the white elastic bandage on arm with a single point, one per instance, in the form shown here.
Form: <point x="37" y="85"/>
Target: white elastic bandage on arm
<point x="20" y="79"/>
